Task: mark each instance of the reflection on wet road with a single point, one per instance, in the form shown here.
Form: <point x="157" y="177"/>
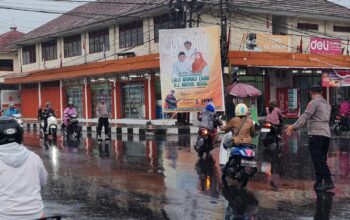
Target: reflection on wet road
<point x="129" y="178"/>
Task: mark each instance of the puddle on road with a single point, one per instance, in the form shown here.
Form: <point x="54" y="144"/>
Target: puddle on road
<point x="133" y="178"/>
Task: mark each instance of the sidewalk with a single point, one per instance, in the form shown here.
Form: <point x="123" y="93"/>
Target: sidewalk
<point x="132" y="129"/>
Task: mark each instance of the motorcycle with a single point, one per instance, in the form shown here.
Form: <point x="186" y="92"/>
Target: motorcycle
<point x="269" y="135"/>
<point x="238" y="162"/>
<point x="51" y="128"/>
<point x="73" y="129"/>
<point x="18" y="118"/>
<point x="206" y="139"/>
<point x="341" y="125"/>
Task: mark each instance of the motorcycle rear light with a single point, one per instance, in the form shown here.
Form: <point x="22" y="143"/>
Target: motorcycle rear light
<point x="267" y="125"/>
<point x="338" y="117"/>
<point x="249" y="152"/>
<point x="204" y="132"/>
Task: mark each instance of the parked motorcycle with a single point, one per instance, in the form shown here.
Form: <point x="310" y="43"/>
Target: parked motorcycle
<point x="73" y="128"/>
<point x="269" y="135"/>
<point x="206" y="139"/>
<point x="51" y="127"/>
<point x="241" y="164"/>
<point x="341" y="125"/>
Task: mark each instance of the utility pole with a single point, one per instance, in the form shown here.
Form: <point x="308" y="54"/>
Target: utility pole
<point x="185" y="12"/>
<point x="223" y="40"/>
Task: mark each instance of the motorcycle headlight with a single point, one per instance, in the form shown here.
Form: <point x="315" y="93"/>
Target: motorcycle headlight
<point x="200" y="142"/>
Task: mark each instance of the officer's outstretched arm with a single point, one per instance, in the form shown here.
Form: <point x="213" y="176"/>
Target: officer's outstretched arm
<point x="310" y="111"/>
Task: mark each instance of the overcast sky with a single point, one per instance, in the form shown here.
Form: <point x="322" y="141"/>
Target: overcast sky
<point x="27" y="21"/>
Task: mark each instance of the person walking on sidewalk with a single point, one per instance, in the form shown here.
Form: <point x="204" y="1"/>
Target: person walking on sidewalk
<point x="317" y="116"/>
<point x="103" y="115"/>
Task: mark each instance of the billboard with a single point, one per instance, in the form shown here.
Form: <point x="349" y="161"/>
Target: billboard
<point x="325" y="46"/>
<point x="190" y="69"/>
<point x="10" y="96"/>
<point x="266" y="43"/>
<point x="336" y="78"/>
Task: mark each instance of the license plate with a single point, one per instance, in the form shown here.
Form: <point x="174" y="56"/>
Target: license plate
<point x="248" y="163"/>
<point x="267" y="130"/>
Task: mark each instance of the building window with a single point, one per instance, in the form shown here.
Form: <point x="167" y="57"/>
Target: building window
<point x="307" y="26"/>
<point x="72" y="46"/>
<point x="133" y="101"/>
<point x="131" y="34"/>
<point x="162" y="22"/>
<point x="345" y="29"/>
<point x="6" y="65"/>
<point x="99" y="41"/>
<point x="29" y="55"/>
<point x="49" y="50"/>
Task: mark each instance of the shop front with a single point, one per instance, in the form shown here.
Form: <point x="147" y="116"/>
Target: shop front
<point x="286" y="79"/>
<point x="74" y="92"/>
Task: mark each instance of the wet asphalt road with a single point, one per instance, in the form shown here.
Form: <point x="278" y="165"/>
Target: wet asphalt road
<point x="129" y="178"/>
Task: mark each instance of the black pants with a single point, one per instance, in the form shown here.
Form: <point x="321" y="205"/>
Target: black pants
<point x="319" y="146"/>
<point x="102" y="122"/>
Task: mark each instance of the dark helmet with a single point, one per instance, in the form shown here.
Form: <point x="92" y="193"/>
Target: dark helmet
<point x="10" y="131"/>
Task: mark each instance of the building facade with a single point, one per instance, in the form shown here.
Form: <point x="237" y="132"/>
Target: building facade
<point x="92" y="52"/>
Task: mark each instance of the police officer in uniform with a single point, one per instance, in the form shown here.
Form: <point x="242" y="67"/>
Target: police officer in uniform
<point x="316" y="116"/>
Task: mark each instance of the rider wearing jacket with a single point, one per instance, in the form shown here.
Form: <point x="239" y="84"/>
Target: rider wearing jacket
<point x="210" y="120"/>
<point x="11" y="111"/>
<point x="242" y="126"/>
<point x="22" y="175"/>
<point x="70" y="110"/>
<point x="46" y="114"/>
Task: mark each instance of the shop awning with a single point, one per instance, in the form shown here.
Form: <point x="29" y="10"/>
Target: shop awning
<point x="288" y="60"/>
<point x="126" y="65"/>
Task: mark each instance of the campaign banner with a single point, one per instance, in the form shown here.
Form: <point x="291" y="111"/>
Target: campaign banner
<point x="266" y="43"/>
<point x="190" y="69"/>
<point x="336" y="78"/>
<point x="325" y="46"/>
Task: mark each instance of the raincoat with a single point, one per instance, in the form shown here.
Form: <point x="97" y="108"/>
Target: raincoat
<point x="67" y="112"/>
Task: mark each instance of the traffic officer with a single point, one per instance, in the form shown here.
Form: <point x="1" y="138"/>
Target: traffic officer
<point x="317" y="116"/>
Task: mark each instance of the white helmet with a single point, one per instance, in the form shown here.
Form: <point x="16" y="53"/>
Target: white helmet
<point x="241" y="110"/>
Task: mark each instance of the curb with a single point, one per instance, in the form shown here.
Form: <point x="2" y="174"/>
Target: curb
<point x="142" y="131"/>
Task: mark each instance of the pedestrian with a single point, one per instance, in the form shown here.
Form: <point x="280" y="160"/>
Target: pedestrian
<point x="103" y="114"/>
<point x="316" y="116"/>
<point x="22" y="175"/>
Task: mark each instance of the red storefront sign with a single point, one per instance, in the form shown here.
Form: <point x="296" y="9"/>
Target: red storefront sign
<point x="325" y="46"/>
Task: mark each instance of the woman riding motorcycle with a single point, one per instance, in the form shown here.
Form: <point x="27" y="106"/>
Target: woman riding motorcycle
<point x="242" y="126"/>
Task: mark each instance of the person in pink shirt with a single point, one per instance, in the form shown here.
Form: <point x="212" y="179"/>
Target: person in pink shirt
<point x="344" y="108"/>
<point x="274" y="115"/>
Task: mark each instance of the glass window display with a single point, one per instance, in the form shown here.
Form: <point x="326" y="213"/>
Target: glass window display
<point x="133" y="101"/>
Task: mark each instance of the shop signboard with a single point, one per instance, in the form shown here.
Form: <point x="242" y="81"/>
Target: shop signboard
<point x="266" y="43"/>
<point x="190" y="69"/>
<point x="325" y="46"/>
<point x="336" y="78"/>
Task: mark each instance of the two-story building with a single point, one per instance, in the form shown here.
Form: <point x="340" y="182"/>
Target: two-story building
<point x="110" y="49"/>
<point x="8" y="65"/>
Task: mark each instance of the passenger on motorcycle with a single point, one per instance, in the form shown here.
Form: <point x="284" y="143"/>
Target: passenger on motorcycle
<point x="275" y="116"/>
<point x="46" y="114"/>
<point x="242" y="126"/>
<point x="11" y="111"/>
<point x="22" y="175"/>
<point x="209" y="119"/>
<point x="70" y="110"/>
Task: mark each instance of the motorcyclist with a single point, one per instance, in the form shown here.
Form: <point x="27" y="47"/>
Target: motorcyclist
<point x="11" y="111"/>
<point x="46" y="114"/>
<point x="242" y="126"/>
<point x="275" y="116"/>
<point x="210" y="120"/>
<point x="22" y="175"/>
<point x="70" y="110"/>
